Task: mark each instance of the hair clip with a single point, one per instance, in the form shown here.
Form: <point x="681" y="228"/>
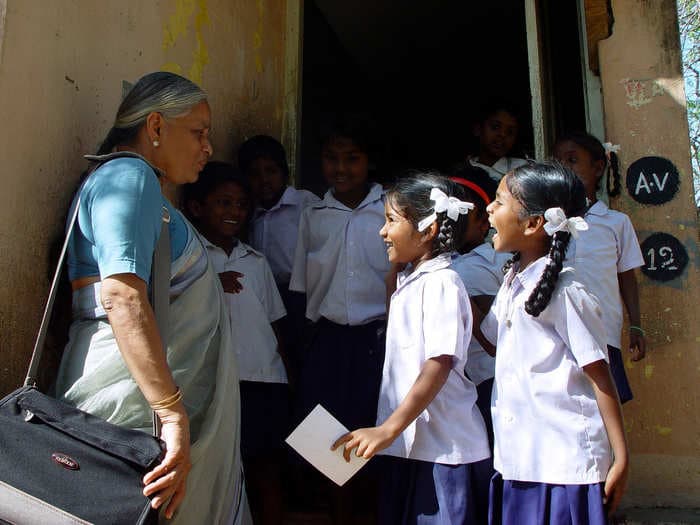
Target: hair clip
<point x="557" y="221"/>
<point x="452" y="205"/>
<point x="609" y="148"/>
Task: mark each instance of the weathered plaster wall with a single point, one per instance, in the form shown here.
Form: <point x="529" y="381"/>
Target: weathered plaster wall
<point x="645" y="113"/>
<point x="61" y="70"/>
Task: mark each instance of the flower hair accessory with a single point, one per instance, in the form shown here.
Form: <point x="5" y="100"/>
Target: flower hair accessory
<point x="557" y="222"/>
<point x="452" y="205"/>
<point x="609" y="148"/>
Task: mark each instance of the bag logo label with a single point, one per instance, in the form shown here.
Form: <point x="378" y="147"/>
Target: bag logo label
<point x="65" y="461"/>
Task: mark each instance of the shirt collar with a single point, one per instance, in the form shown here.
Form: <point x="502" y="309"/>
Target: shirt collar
<point x="240" y="249"/>
<point x="599" y="208"/>
<point x="376" y="192"/>
<point x="444" y="260"/>
<point x="529" y="277"/>
<point x="290" y="197"/>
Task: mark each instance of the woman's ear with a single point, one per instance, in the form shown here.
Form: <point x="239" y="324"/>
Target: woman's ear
<point x="533" y="224"/>
<point x="154" y="123"/>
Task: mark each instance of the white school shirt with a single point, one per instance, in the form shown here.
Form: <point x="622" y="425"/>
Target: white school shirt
<point x="251" y="311"/>
<point x="341" y="261"/>
<point x="500" y="167"/>
<point x="546" y="421"/>
<point x="429" y="317"/>
<point x="481" y="271"/>
<point x="607" y="248"/>
<point x="274" y="232"/>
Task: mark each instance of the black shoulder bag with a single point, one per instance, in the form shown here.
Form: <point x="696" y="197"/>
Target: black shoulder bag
<point x="60" y="465"/>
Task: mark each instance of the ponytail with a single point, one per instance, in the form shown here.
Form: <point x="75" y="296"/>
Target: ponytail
<point x="542" y="293"/>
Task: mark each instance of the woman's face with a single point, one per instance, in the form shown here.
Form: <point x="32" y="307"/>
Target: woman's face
<point x="184" y="146"/>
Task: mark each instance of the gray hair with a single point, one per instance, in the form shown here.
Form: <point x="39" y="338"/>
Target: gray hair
<point x="166" y="93"/>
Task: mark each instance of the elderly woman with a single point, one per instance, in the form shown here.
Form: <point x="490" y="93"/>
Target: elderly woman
<point x="116" y="364"/>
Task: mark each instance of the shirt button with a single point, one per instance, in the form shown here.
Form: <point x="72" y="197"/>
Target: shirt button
<point x="351" y="274"/>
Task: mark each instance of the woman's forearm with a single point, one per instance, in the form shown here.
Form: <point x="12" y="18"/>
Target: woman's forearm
<point x="125" y="299"/>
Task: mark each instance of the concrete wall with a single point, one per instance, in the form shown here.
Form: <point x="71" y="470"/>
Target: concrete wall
<point x="62" y="64"/>
<point x="645" y="113"/>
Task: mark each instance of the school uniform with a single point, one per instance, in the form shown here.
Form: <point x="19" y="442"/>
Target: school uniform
<point x="481" y="271"/>
<point x="552" y="452"/>
<point x="263" y="379"/>
<point x="608" y="248"/>
<point x="340" y="263"/>
<point x="500" y="167"/>
<point x="432" y="475"/>
<point x="274" y="233"/>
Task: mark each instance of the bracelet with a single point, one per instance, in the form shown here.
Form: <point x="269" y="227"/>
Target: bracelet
<point x="168" y="401"/>
<point x="638" y="329"/>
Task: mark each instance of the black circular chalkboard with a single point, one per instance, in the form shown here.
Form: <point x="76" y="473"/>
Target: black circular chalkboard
<point x="652" y="180"/>
<point x="665" y="258"/>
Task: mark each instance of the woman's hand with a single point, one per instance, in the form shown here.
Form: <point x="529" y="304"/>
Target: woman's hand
<point x="368" y="441"/>
<point x="230" y="281"/>
<point x="615" y="486"/>
<point x="168" y="480"/>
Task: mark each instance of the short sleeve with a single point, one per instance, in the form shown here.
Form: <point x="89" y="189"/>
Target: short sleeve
<point x="447" y="316"/>
<point x="489" y="325"/>
<point x="630" y="255"/>
<point x="124" y="205"/>
<point x="582" y="325"/>
<point x="271" y="295"/>
<point x="297" y="282"/>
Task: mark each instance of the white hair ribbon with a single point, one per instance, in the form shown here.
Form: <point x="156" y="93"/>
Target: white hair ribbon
<point x="557" y="221"/>
<point x="611" y="148"/>
<point x="452" y="205"/>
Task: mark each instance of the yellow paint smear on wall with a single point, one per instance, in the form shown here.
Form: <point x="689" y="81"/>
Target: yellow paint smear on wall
<point x="648" y="371"/>
<point x="177" y="28"/>
<point x="664" y="431"/>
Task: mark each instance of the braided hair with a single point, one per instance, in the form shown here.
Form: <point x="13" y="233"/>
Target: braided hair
<point x="537" y="187"/>
<point x="411" y="195"/>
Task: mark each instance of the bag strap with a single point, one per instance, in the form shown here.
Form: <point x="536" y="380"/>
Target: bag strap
<point x="159" y="294"/>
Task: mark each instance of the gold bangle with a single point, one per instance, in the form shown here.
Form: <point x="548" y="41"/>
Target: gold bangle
<point x="168" y="401"/>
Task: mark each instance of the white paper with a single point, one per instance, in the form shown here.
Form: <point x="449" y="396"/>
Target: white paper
<point x="313" y="439"/>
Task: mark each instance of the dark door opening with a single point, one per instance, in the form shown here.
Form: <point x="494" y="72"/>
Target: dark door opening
<point x="422" y="70"/>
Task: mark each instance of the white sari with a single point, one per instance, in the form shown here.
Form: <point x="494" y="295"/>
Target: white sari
<point x="94" y="378"/>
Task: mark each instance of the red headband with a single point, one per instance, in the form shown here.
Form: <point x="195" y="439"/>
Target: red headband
<point x="472" y="186"/>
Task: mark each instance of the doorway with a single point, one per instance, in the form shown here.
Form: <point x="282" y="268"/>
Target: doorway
<point x="422" y="70"/>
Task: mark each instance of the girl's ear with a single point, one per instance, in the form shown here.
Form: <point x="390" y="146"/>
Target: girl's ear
<point x="429" y="234"/>
<point x="194" y="207"/>
<point x="599" y="166"/>
<point x="533" y="224"/>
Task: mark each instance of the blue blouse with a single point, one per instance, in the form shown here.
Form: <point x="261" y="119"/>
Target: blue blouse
<point x="119" y="222"/>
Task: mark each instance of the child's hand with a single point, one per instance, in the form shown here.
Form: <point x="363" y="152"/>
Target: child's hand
<point x="230" y="281"/>
<point x="638" y="345"/>
<point x="615" y="486"/>
<point x="368" y="441"/>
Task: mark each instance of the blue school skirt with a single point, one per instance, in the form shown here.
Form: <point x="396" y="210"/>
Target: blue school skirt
<point x="532" y="503"/>
<point x="617" y="369"/>
<point x="416" y="492"/>
<point x="342" y="370"/>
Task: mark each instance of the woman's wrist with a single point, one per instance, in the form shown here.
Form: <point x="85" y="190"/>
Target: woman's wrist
<point x="637" y="329"/>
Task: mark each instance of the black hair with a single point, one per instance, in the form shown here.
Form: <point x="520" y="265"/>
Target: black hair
<point x="494" y="105"/>
<point x="480" y="178"/>
<point x="411" y="195"/>
<point x="597" y="152"/>
<point x="538" y="187"/>
<point x="265" y="147"/>
<point x="214" y="175"/>
<point x="357" y="127"/>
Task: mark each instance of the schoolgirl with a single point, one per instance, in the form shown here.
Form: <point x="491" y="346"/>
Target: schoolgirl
<point x="481" y="269"/>
<point x="560" y="450"/>
<point x="219" y="205"/>
<point x="608" y="254"/>
<point x="496" y="132"/>
<point x="429" y="432"/>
